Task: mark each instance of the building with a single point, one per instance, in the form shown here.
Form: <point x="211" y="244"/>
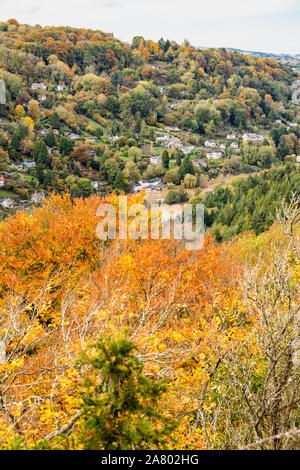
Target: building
<point x="42" y="97"/>
<point x="234" y="145"/>
<point x="39" y="86"/>
<point x="38" y="198"/>
<point x="231" y="136"/>
<point x="2" y="182"/>
<point x="61" y="87"/>
<point x="214" y="155"/>
<point x="7" y="202"/>
<point x="298" y="159"/>
<point x="97" y="185"/>
<point x="29" y="164"/>
<point x="199" y="162"/>
<point x="148" y="185"/>
<point x="210" y="143"/>
<point x="155" y="160"/>
<point x="251" y="137"/>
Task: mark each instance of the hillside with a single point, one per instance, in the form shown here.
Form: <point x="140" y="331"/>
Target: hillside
<point x="88" y="113"/>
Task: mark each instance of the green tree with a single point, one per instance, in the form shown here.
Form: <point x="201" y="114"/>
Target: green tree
<point x="165" y="159"/>
<point x="66" y="145"/>
<point x="120" y="408"/>
<point x="186" y="168"/>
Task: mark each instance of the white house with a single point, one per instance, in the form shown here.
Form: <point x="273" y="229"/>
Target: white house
<point x="214" y="155"/>
<point x="7" y="203"/>
<point x="2" y="181"/>
<point x="97" y="185"/>
<point x="234" y="145"/>
<point x="39" y="86"/>
<point x="251" y="137"/>
<point x="155" y="160"/>
<point x="38" y="198"/>
<point x="298" y="158"/>
<point x="210" y="143"/>
<point x="231" y="136"/>
<point x="61" y="87"/>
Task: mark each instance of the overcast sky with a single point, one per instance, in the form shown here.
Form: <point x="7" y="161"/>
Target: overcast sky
<point x="261" y="25"/>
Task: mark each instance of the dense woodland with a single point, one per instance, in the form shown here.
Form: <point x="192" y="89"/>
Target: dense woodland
<point x="142" y="344"/>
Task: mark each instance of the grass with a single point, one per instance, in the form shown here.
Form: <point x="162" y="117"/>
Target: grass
<point x="4" y="193"/>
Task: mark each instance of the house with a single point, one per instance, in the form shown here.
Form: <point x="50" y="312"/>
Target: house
<point x="298" y="159"/>
<point x="251" y="137"/>
<point x="29" y="164"/>
<point x="2" y="182"/>
<point x="148" y="185"/>
<point x="234" y="145"/>
<point x="199" y="162"/>
<point x="293" y="124"/>
<point x="42" y="97"/>
<point x="7" y="203"/>
<point x="155" y="160"/>
<point x="214" y="155"/>
<point x="278" y="121"/>
<point x="210" y="143"/>
<point x="175" y="105"/>
<point x="93" y="139"/>
<point x="92" y="153"/>
<point x="223" y="146"/>
<point x="39" y="86"/>
<point x="38" y="198"/>
<point x="97" y="185"/>
<point x="61" y="87"/>
<point x="231" y="136"/>
<point x="73" y="136"/>
<point x="43" y="132"/>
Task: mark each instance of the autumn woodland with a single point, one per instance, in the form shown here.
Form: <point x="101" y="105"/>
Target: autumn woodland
<point x="144" y="344"/>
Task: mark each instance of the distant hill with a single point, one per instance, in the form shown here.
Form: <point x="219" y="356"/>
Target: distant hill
<point x="292" y="60"/>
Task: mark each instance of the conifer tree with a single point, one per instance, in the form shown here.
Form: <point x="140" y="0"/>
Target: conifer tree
<point x="120" y="409"/>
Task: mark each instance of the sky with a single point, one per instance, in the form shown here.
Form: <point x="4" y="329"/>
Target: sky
<point x="257" y="25"/>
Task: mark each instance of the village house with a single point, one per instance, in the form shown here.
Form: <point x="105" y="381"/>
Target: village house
<point x="234" y="145"/>
<point x="97" y="185"/>
<point x="92" y="153"/>
<point x="231" y="136"/>
<point x="223" y="146"/>
<point x="155" y="160"/>
<point x="298" y="159"/>
<point x="39" y="86"/>
<point x="7" y="203"/>
<point x="251" y="137"/>
<point x="42" y="97"/>
<point x="2" y="182"/>
<point x="29" y="164"/>
<point x="175" y="105"/>
<point x="199" y="162"/>
<point x="92" y="139"/>
<point x="61" y="87"/>
<point x="148" y="185"/>
<point x="38" y="198"/>
<point x="73" y="136"/>
<point x="210" y="143"/>
<point x="214" y="155"/>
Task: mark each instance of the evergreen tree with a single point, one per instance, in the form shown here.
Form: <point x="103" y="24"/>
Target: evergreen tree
<point x="120" y="409"/>
<point x="50" y="139"/>
<point x="165" y="159"/>
<point x="66" y="145"/>
<point x="186" y="167"/>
